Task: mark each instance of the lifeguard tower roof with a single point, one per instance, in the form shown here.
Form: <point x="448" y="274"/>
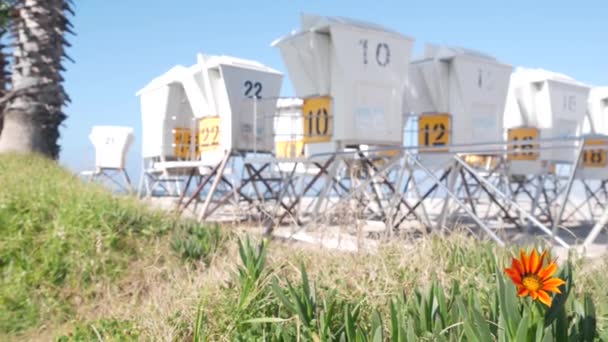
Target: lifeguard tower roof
<point x="540" y="75"/>
<point x="175" y="73"/>
<point x="446" y="53"/>
<point x="322" y="24"/>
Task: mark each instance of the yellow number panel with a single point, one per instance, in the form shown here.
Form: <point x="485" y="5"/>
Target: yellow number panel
<point x="480" y="161"/>
<point x="317" y="119"/>
<point x="209" y="133"/>
<point x="388" y="153"/>
<point x="521" y="151"/>
<point x="595" y="157"/>
<point x="289" y="149"/>
<point x="434" y="130"/>
<point x="181" y="142"/>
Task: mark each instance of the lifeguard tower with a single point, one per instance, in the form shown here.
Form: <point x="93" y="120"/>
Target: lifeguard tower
<point x="595" y="130"/>
<point x="112" y="145"/>
<point x="202" y="123"/>
<point x="592" y="172"/>
<point x="542" y="118"/>
<point x="546" y="106"/>
<point x="350" y="77"/>
<point x="455" y="102"/>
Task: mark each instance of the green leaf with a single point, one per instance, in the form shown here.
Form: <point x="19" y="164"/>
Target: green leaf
<point x="327" y="317"/>
<point x="411" y="335"/>
<point x="522" y="330"/>
<point x="561" y="325"/>
<point x="470" y="333"/>
<point x="378" y="334"/>
<point x="198" y="327"/>
<point x="376" y="321"/>
<point x="508" y="303"/>
<point x="559" y="301"/>
<point x="242" y="252"/>
<point x="469" y="330"/>
<point x="281" y="295"/>
<point x="482" y="326"/>
<point x="394" y="323"/>
<point x="588" y="323"/>
<point x="262" y="320"/>
<point x="350" y="324"/>
<point x="549" y="336"/>
<point x="540" y="329"/>
<point x="443" y="308"/>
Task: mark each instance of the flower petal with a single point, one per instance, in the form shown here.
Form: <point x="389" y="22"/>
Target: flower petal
<point x="517" y="265"/>
<point x="553" y="282"/>
<point x="514" y="275"/>
<point x="540" y="262"/>
<point x="533" y="261"/>
<point x="544" y="298"/>
<point x="534" y="294"/>
<point x="551" y="289"/>
<point x="547" y="272"/>
<point x="523" y="292"/>
<point x="524" y="260"/>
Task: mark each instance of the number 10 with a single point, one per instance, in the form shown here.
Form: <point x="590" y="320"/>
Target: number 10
<point x="383" y="53"/>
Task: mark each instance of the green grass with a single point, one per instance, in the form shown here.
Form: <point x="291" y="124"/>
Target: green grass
<point x="79" y="264"/>
<point x="102" y="330"/>
<point x="459" y="293"/>
<point x="195" y="242"/>
<point x="59" y="236"/>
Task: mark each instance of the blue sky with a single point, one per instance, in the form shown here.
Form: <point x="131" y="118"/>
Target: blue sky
<point x="122" y="45"/>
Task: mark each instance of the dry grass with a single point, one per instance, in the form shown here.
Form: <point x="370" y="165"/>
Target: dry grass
<point x="161" y="293"/>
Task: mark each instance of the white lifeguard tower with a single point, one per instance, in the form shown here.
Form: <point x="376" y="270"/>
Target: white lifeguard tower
<point x="543" y="116"/>
<point x="543" y="105"/>
<point x="457" y="97"/>
<point x="597" y="127"/>
<point x="112" y="145"/>
<point x="592" y="170"/>
<point x="455" y="103"/>
<point x="350" y="76"/>
<point x="196" y="118"/>
<point x="594" y="165"/>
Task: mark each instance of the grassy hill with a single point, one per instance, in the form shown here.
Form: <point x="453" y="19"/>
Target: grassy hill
<point x="61" y="239"/>
<point x="80" y="264"/>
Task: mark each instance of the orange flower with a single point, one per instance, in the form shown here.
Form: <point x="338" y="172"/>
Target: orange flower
<point x="533" y="280"/>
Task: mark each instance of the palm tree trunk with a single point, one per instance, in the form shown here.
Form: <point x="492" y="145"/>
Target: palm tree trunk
<point x="5" y="7"/>
<point x="33" y="116"/>
<point x="4" y="81"/>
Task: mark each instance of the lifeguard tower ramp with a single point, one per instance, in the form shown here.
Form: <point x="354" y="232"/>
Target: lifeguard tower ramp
<point x="350" y="77"/>
<point x="112" y="145"/>
<point x="205" y="124"/>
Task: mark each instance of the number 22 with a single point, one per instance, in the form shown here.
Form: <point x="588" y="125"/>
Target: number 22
<point x="250" y="86"/>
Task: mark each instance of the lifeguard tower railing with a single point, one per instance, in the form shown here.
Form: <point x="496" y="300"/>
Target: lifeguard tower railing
<point x="453" y="182"/>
